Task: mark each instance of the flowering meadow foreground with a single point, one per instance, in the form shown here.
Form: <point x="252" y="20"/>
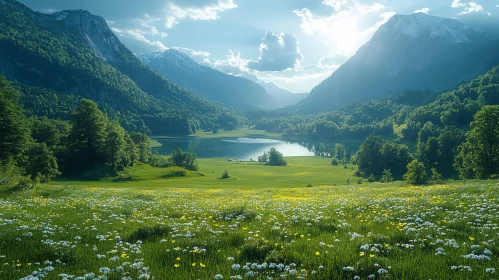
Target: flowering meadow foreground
<point x="352" y="232"/>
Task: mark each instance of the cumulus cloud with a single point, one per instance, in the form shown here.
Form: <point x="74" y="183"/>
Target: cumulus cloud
<point x="277" y="52"/>
<point x="423" y="10"/>
<point x="470" y="7"/>
<point x="457" y="4"/>
<point x="177" y="12"/>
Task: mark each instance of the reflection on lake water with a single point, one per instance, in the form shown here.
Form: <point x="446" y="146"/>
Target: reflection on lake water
<point x="234" y="148"/>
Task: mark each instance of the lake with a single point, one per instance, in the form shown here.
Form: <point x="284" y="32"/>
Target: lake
<point x="233" y="148"/>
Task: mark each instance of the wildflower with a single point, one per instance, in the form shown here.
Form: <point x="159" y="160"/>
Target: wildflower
<point x="218" y="276"/>
<point x="317" y="253"/>
<point x="176" y="265"/>
<point x="193" y="264"/>
<point x="202" y="265"/>
<point x="490" y="270"/>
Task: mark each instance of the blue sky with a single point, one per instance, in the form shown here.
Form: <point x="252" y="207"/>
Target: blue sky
<point x="294" y="43"/>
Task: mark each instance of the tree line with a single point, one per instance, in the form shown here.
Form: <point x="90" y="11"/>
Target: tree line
<point x="440" y="152"/>
<point x="38" y="149"/>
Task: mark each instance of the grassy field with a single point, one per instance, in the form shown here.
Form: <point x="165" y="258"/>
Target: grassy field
<point x="300" y="172"/>
<point x="374" y="231"/>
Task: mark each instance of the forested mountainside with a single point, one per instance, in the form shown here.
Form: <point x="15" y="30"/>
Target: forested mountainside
<point x="55" y="60"/>
<point x="408" y="111"/>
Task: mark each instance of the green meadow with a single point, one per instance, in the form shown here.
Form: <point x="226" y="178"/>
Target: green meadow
<point x="199" y="227"/>
<point x="300" y="172"/>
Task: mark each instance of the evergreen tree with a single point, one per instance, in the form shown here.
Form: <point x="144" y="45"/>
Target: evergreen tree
<point x="14" y="130"/>
<point x="87" y="138"/>
<point x="479" y="155"/>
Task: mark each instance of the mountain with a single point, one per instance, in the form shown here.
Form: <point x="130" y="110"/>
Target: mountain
<point x="57" y="59"/>
<point x="283" y="97"/>
<point x="414" y="52"/>
<point x="209" y="83"/>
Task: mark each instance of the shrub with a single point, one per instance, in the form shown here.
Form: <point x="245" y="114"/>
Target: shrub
<point x="309" y="185"/>
<point x="435" y="176"/>
<point x="225" y="175"/>
<point x="416" y="173"/>
<point x="175" y="173"/>
<point x="371" y="178"/>
<point x="335" y="162"/>
<point x="387" y="176"/>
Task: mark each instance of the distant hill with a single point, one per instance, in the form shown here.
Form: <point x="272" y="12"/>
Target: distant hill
<point x="214" y="85"/>
<point x="283" y="97"/>
<point x="58" y="59"/>
<point x="414" y="52"/>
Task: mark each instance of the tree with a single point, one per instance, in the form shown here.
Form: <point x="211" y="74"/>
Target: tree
<point x="115" y="146"/>
<point x="375" y="155"/>
<point x="416" y="173"/>
<point x="369" y="155"/>
<point x="479" y="155"/>
<point x="87" y="138"/>
<point x="276" y="158"/>
<point x="131" y="151"/>
<point x="264" y="157"/>
<point x="435" y="176"/>
<point x="41" y="164"/>
<point x="449" y="140"/>
<point x="225" y="175"/>
<point x="429" y="152"/>
<point x="335" y="162"/>
<point x="340" y="151"/>
<point x="184" y="160"/>
<point x="387" y="176"/>
<point x="143" y="144"/>
<point x="14" y="131"/>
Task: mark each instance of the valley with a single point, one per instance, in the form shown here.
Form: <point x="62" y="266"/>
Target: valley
<point x="164" y="141"/>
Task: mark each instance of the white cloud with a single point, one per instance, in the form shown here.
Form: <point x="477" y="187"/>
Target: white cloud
<point x="335" y="4"/>
<point x="423" y="10"/>
<point x="345" y="30"/>
<point x="175" y="13"/>
<point x="472" y="8"/>
<point x="277" y="52"/>
<point x="457" y="4"/>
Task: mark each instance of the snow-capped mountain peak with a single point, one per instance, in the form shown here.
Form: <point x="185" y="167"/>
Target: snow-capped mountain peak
<point x="420" y="24"/>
